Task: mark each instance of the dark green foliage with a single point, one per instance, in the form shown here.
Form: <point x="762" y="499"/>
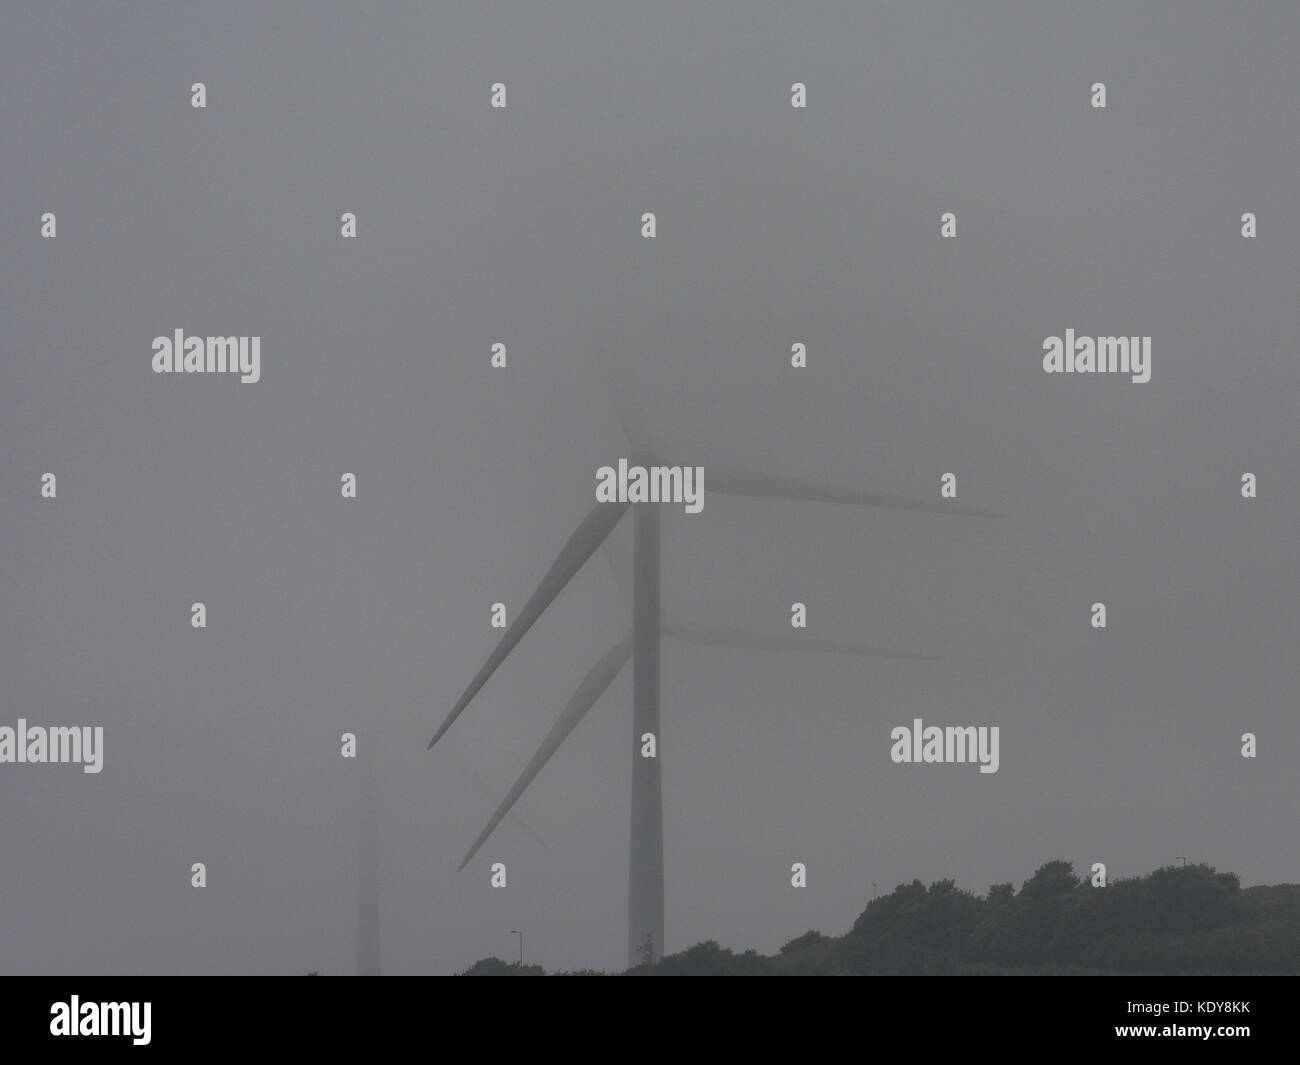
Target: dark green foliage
<point x="808" y="940"/>
<point x="1176" y="920"/>
<point x="497" y="967"/>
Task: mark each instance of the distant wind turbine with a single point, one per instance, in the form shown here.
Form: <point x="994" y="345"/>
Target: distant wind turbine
<point x="641" y="644"/>
<point x="368" y="942"/>
<point x="369" y="928"/>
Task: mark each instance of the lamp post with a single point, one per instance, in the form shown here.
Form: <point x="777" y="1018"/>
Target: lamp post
<point x="516" y="932"/>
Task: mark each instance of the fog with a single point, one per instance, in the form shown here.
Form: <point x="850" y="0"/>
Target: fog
<point x="775" y="226"/>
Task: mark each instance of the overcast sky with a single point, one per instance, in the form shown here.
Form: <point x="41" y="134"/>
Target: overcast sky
<point x="775" y="226"/>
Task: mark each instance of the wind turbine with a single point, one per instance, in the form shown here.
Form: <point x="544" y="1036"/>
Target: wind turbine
<point x="646" y="846"/>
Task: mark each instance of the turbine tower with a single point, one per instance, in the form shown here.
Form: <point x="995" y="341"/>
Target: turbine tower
<point x="368" y="942"/>
<point x="646" y="849"/>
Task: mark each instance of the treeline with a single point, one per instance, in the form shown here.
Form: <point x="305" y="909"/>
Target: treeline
<point x="1175" y="920"/>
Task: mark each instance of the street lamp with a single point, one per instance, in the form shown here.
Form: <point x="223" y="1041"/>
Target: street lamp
<point x="516" y="932"/>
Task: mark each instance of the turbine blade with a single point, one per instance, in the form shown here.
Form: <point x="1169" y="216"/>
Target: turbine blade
<point x="771" y="486"/>
<point x="714" y="636"/>
<point x="581" y="546"/>
<point x="593" y="686"/>
<point x="483" y="787"/>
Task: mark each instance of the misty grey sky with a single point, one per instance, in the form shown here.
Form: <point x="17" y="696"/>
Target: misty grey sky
<point x="523" y="226"/>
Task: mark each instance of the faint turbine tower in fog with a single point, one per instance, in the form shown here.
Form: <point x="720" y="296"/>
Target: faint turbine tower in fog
<point x="368" y="941"/>
<point x="369" y="926"/>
